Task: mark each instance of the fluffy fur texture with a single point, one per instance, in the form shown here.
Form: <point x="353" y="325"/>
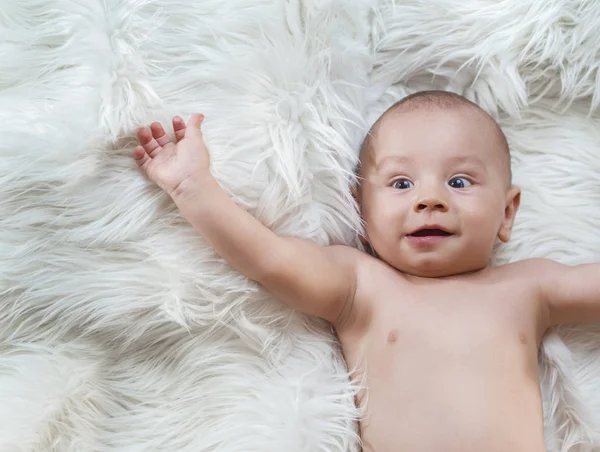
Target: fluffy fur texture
<point x="122" y="331"/>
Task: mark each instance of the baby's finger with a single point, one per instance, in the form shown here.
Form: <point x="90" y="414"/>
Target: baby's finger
<point x="196" y="120"/>
<point x="194" y="124"/>
<point x="178" y="128"/>
<point x="159" y="134"/>
<point x="148" y="142"/>
<point x="140" y="156"/>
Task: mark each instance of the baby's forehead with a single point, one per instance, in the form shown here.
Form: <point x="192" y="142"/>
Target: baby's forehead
<point x="425" y="119"/>
<point x="418" y="109"/>
<point x="455" y="135"/>
<point x="464" y="114"/>
<point x="414" y="126"/>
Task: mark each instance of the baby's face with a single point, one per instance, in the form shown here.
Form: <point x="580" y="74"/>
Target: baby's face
<point x="436" y="192"/>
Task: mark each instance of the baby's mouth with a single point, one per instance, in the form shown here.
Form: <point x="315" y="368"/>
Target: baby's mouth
<point x="427" y="232"/>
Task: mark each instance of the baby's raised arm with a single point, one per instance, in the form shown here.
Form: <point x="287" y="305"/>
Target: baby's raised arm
<point x="317" y="280"/>
<point x="571" y="294"/>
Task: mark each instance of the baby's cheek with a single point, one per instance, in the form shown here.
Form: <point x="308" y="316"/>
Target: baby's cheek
<point x="375" y="228"/>
<point x="484" y="230"/>
<point x="380" y="232"/>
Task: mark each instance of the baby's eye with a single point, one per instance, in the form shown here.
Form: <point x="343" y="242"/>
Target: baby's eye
<point x="459" y="182"/>
<point x="403" y="184"/>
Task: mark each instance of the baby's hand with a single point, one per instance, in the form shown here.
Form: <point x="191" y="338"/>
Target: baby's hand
<point x="173" y="166"/>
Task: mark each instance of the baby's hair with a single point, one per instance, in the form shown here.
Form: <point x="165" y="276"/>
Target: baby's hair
<point x="430" y="100"/>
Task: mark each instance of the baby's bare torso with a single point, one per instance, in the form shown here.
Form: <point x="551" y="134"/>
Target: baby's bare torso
<point x="450" y="364"/>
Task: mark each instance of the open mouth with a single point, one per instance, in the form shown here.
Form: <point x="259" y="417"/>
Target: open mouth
<point x="430" y="233"/>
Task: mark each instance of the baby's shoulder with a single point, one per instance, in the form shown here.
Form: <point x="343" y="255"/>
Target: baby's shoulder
<point x="365" y="264"/>
<point x="522" y="270"/>
<point x="528" y="274"/>
<point x="375" y="281"/>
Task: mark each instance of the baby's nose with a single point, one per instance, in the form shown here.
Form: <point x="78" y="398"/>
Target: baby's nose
<point x="431" y="204"/>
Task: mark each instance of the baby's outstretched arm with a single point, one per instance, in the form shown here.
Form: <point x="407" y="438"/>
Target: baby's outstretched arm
<point x="317" y="280"/>
<point x="571" y="293"/>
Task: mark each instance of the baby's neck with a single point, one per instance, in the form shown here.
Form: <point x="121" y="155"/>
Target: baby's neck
<point x="439" y="274"/>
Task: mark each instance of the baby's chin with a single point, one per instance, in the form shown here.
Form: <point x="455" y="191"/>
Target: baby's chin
<point x="433" y="269"/>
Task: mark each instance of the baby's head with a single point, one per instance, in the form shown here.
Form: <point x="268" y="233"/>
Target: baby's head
<point x="435" y="186"/>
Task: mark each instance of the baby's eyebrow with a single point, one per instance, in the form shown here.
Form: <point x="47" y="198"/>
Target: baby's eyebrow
<point x="462" y="159"/>
<point x="391" y="159"/>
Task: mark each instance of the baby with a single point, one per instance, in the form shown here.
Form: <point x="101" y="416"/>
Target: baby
<point x="447" y="344"/>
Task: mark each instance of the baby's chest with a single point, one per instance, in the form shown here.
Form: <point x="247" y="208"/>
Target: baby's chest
<point x="451" y="325"/>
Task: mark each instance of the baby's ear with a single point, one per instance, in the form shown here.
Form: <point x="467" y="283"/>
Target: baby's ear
<point x="513" y="201"/>
<point x="354" y="191"/>
<point x="356" y="195"/>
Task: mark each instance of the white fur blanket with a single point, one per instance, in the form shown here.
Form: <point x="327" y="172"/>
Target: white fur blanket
<point x="122" y="331"/>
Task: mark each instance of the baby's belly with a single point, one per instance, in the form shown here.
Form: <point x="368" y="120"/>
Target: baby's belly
<point x="458" y="419"/>
<point x="428" y="405"/>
